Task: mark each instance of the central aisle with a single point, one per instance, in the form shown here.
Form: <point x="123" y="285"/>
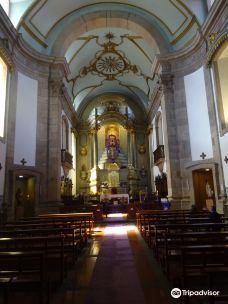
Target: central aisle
<point x="115" y="278"/>
<point x="116" y="267"/>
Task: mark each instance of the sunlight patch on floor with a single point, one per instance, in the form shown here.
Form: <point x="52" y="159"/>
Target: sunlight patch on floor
<point x="121" y="215"/>
<point x="119" y="229"/>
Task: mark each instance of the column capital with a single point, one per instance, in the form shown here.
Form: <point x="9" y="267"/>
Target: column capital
<point x="149" y="129"/>
<point x="93" y="130"/>
<point x="166" y="82"/>
<point x="131" y="130"/>
<point x="75" y="132"/>
<point x="55" y="87"/>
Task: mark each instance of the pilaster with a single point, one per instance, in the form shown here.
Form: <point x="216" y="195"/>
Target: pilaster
<point x="170" y="137"/>
<point x="54" y="140"/>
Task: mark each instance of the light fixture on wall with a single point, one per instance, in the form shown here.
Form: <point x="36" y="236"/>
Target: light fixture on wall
<point x="226" y="159"/>
<point x="0" y="166"/>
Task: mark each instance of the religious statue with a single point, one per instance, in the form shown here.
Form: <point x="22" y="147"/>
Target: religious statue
<point x="210" y="194"/>
<point x="209" y="191"/>
<point x="113" y="147"/>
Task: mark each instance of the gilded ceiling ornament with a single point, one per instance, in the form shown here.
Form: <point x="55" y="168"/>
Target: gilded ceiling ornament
<point x="212" y="37"/>
<point x="110" y="63"/>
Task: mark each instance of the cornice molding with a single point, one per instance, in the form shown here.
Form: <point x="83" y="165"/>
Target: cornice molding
<point x="193" y="47"/>
<point x="5" y="53"/>
<point x="33" y="55"/>
<point x="216" y="45"/>
<point x="201" y="37"/>
<point x="18" y="45"/>
<point x="214" y="14"/>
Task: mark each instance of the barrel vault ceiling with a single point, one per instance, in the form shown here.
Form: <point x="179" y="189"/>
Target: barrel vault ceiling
<point x="109" y="46"/>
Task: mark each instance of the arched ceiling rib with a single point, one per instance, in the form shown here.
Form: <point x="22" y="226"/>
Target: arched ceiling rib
<point x="97" y="100"/>
<point x="174" y="19"/>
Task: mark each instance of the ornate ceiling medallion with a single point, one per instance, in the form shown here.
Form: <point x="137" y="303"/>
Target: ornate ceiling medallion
<point x="110" y="63"/>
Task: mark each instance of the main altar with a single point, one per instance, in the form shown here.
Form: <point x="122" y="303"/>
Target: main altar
<point x="114" y="160"/>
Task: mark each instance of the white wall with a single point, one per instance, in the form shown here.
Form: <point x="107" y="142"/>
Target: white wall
<point x="26" y="121"/>
<point x="198" y="119"/>
<point x="2" y="171"/>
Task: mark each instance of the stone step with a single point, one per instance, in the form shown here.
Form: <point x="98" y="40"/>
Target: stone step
<point x="122" y="159"/>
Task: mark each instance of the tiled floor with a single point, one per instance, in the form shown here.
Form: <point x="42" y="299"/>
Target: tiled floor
<point x="115" y="268"/>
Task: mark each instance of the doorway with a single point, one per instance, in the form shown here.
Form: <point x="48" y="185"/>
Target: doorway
<point x="24" y="196"/>
<point x="203" y="188"/>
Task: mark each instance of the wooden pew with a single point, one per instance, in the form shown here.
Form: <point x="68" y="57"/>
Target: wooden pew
<point x="154" y="232"/>
<point x="25" y="269"/>
<point x="196" y="260"/>
<point x="169" y="252"/>
<point x="72" y="238"/>
<point x="215" y="275"/>
<point x="5" y="286"/>
<point x="51" y="246"/>
<point x="144" y="216"/>
<point x="87" y="216"/>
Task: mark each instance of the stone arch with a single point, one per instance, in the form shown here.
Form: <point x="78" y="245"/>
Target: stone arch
<point x="90" y="21"/>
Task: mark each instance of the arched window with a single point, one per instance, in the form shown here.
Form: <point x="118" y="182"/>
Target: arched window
<point x="220" y="64"/>
<point x="3" y="83"/>
<point x="65" y="134"/>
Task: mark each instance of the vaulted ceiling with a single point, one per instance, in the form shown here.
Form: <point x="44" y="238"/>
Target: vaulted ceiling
<point x="109" y="46"/>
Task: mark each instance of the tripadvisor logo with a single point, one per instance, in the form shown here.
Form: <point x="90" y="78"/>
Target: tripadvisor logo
<point x="177" y="293"/>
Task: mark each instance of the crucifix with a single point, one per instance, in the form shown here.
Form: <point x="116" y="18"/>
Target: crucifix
<point x="203" y="155"/>
<point x="226" y="159"/>
<point x="23" y="161"/>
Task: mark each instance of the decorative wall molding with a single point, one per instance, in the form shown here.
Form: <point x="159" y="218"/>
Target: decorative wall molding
<point x="216" y="44"/>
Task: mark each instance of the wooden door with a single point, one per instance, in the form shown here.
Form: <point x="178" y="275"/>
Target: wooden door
<point x="202" y="179"/>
